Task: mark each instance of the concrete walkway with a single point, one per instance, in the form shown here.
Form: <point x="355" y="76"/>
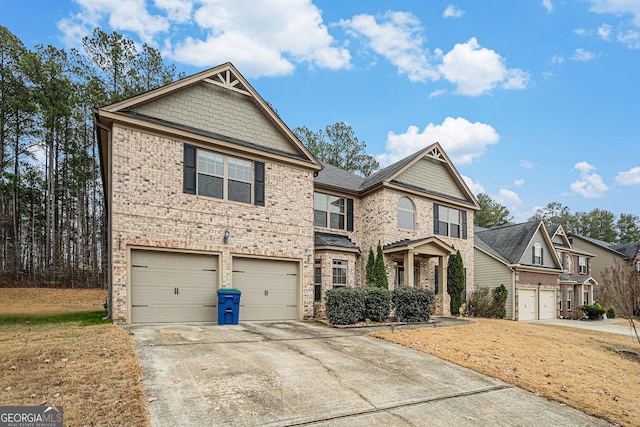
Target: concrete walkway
<point x="304" y="373"/>
<point x="611" y="326"/>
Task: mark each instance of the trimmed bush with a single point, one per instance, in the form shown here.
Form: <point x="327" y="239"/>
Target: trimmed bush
<point x="594" y="311"/>
<point x="611" y="313"/>
<point x="412" y="304"/>
<point x="345" y="306"/>
<point x="499" y="303"/>
<point x="377" y="304"/>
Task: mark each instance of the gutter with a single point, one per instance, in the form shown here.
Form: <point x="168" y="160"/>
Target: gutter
<point x="107" y="193"/>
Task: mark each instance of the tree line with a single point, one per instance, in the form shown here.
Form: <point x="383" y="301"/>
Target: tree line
<point x="597" y="224"/>
<point x="52" y="214"/>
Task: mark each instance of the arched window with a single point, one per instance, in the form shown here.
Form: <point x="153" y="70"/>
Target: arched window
<point x="406" y="214"/>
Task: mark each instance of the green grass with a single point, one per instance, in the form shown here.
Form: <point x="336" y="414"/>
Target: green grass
<point x="82" y="318"/>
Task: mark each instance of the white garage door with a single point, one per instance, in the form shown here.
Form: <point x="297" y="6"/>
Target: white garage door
<point x="173" y="287"/>
<point x="269" y="288"/>
<point x="526" y="304"/>
<point x="547" y="305"/>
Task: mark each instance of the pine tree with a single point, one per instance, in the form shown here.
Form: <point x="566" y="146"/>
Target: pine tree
<point x="455" y="281"/>
<point x="379" y="270"/>
<point x="371" y="260"/>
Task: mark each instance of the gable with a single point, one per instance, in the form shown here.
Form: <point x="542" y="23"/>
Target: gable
<point x="211" y="108"/>
<point x="432" y="175"/>
<point x="548" y="255"/>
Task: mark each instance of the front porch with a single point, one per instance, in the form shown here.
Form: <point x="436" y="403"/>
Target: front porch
<point x="412" y="261"/>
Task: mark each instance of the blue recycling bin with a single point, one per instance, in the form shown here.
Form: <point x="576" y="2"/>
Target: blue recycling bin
<point x="228" y="306"/>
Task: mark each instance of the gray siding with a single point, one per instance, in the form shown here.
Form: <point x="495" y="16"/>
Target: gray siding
<point x="433" y="175"/>
<point x="547" y="256"/>
<point x="490" y="273"/>
<point x="214" y="109"/>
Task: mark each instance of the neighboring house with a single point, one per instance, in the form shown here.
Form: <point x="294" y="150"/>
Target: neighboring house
<point x="576" y="283"/>
<point x="206" y="187"/>
<point x="607" y="255"/>
<point x="521" y="257"/>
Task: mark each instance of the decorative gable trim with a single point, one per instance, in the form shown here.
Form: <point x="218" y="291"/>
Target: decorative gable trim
<point x="228" y="80"/>
<point x="436" y="153"/>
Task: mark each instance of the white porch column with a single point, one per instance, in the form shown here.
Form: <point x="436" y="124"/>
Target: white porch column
<point x="582" y="294"/>
<point x="408" y="269"/>
<point x="442" y="298"/>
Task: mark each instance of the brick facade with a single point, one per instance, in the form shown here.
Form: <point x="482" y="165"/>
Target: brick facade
<point x="149" y="209"/>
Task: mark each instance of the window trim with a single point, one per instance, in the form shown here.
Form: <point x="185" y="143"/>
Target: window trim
<point x="583" y="268"/>
<point x="406" y="210"/>
<point x="569" y="295"/>
<point x="437" y="222"/>
<point x="538" y="258"/>
<point x="347" y="211"/>
<point x="339" y="264"/>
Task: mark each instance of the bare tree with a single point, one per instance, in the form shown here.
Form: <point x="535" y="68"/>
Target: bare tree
<point x="621" y="284"/>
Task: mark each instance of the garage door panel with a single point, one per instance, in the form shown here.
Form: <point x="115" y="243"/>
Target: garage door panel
<point x="526" y="304"/>
<point x="547" y="305"/>
<point x="269" y="288"/>
<point x="173" y="287"/>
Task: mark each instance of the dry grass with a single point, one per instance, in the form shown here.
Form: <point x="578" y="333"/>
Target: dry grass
<point x="49" y="301"/>
<point x="577" y="367"/>
<point x="91" y="371"/>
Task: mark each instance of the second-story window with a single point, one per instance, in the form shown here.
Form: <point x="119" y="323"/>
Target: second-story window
<point x="406" y="214"/>
<point x="330" y="211"/>
<point x="570" y="264"/>
<point x="449" y="221"/>
<point x="537" y="254"/>
<point x="224" y="177"/>
<point x="583" y="265"/>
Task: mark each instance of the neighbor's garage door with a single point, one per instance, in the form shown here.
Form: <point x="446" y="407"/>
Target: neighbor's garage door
<point x="526" y="304"/>
<point x="269" y="289"/>
<point x="547" y="305"/>
<point x="173" y="287"/>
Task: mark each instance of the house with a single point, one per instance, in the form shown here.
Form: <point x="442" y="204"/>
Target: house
<point x="576" y="283"/>
<point x="522" y="257"/>
<point x="206" y="187"/>
<point x="607" y="256"/>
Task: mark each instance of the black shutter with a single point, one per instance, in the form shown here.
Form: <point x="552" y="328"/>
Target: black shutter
<point x="464" y="224"/>
<point x="189" y="184"/>
<point x="587" y="265"/>
<point x="258" y="175"/>
<point x="436" y="219"/>
<point x="541" y="256"/>
<point x="533" y="254"/>
<point x="349" y="214"/>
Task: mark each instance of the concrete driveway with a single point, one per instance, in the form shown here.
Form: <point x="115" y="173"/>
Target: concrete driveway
<point x="610" y="326"/>
<point x="299" y="373"/>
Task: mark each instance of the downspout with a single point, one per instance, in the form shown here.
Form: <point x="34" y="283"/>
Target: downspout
<point x="107" y="190"/>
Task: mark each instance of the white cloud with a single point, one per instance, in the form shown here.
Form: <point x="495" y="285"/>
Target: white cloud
<point x="581" y="32"/>
<point x="266" y="40"/>
<point x="462" y="140"/>
<point x="557" y="59"/>
<point x="618" y="7"/>
<point x="452" y="11"/>
<point x="604" y="31"/>
<point x="590" y="184"/>
<point x="476" y="70"/>
<point x="475" y="187"/>
<point x="518" y="182"/>
<point x="630" y="177"/>
<point x="526" y="164"/>
<point x="547" y="5"/>
<point x="123" y="15"/>
<point x="631" y="38"/>
<point x="397" y="37"/>
<point x="508" y="198"/>
<point x="582" y="55"/>
<point x="177" y="10"/>
<point x="437" y="93"/>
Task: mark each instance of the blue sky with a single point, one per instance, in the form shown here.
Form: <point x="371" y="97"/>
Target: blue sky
<point x="535" y="101"/>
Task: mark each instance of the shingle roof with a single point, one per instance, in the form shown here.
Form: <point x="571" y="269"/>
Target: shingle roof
<point x="336" y="240"/>
<point x="600" y="243"/>
<point x="577" y="279"/>
<point x="509" y="241"/>
<point x="630" y="250"/>
<point x="332" y="176"/>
